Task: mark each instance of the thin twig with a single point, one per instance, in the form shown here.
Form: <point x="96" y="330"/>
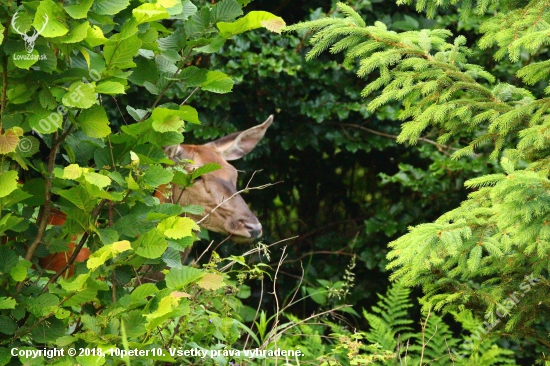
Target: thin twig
<point x="190" y="95"/>
<point x="255" y="250"/>
<point x="423" y="336"/>
<point x="394" y="137"/>
<point x="309" y="318"/>
<point x="255" y="315"/>
<point x="234" y="195"/>
<point x="277" y="308"/>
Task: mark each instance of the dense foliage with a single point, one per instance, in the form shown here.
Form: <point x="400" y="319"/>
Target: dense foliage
<point x="87" y="108"/>
<point x="489" y="255"/>
<point x="64" y="157"/>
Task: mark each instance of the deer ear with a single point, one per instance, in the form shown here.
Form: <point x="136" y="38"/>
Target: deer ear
<point x="238" y="144"/>
<point x="178" y="152"/>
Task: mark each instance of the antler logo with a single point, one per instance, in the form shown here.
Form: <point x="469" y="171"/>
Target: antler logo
<point x="29" y="40"/>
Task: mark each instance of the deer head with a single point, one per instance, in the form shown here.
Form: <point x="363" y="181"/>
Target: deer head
<point x="29" y="40"/>
<point x="233" y="216"/>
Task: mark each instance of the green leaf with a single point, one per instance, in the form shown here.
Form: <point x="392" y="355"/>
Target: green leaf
<point x="79" y="197"/>
<point x="94" y="122"/>
<point x="24" y="60"/>
<point x="137" y="114"/>
<point x="217" y="82"/>
<point x="119" y="53"/>
<point x="79" y="11"/>
<point x="156" y="175"/>
<point x="177" y="278"/>
<point x="28" y="146"/>
<point x="44" y="121"/>
<point x="7" y="326"/>
<point x="143" y="291"/>
<point x="9" y="140"/>
<point x="7" y="303"/>
<point x="72" y="171"/>
<point x="151" y="245"/>
<point x="19" y="272"/>
<point x="97" y="179"/>
<point x="206" y="168"/>
<point x="225" y="10"/>
<point x="17" y="196"/>
<point x="110" y="87"/>
<point x="21" y="93"/>
<point x="95" y="36"/>
<point x="211" y="281"/>
<point x="80" y="95"/>
<point x="252" y="20"/>
<point x="193" y="209"/>
<point x="76" y="35"/>
<point x="177" y="227"/>
<point x="101" y="256"/>
<point x="171" y="120"/>
<point x="165" y="306"/>
<point x="150" y="13"/>
<point x="188" y="9"/>
<point x="110" y="7"/>
<point x="54" y="25"/>
<point x="8" y="182"/>
<point x="189" y="114"/>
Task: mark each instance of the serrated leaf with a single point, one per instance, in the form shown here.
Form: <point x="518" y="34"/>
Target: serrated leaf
<point x="193" y="209"/>
<point x="19" y="272"/>
<point x="97" y="179"/>
<point x="151" y="245"/>
<point x="166" y="120"/>
<point x="211" y="281"/>
<point x="217" y="82"/>
<point x="132" y="185"/>
<point x="77" y="34"/>
<point x="252" y="20"/>
<point x="119" y="53"/>
<point x="178" y="278"/>
<point x="24" y="60"/>
<point x="143" y="291"/>
<point x="20" y="93"/>
<point x="150" y="13"/>
<point x="176" y="227"/>
<point x="79" y="11"/>
<point x="107" y="252"/>
<point x="156" y="175"/>
<point x="72" y="171"/>
<point x="274" y="25"/>
<point x="80" y="95"/>
<point x="137" y="114"/>
<point x="8" y="182"/>
<point x="110" y="87"/>
<point x="110" y="7"/>
<point x="8" y="141"/>
<point x="94" y="122"/>
<point x="47" y="101"/>
<point x="7" y="303"/>
<point x="225" y="10"/>
<point x="95" y="36"/>
<point x="206" y="168"/>
<point x="7" y="326"/>
<point x="27" y="146"/>
<point x="44" y="121"/>
<point x="51" y="17"/>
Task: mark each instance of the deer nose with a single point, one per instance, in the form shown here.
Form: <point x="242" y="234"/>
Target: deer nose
<point x="254" y="229"/>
